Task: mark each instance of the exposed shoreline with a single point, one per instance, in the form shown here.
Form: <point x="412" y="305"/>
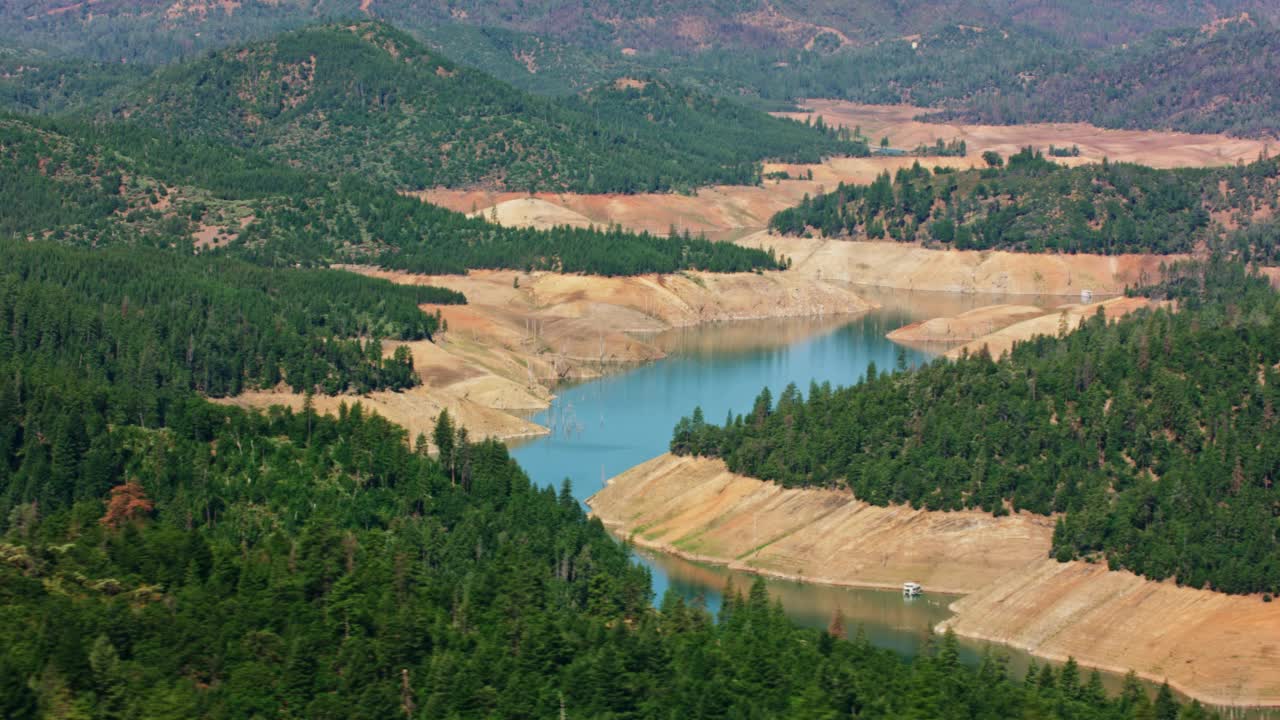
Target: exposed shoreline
<point x="641" y="542"/>
<point x="911" y="267"/>
<point x="522" y="334"/>
<point x="717" y="534"/>
<point x="1001" y="340"/>
<point x="1151" y="677"/>
<point x="733" y="211"/>
<point x="1221" y="649"/>
<point x="697" y="509"/>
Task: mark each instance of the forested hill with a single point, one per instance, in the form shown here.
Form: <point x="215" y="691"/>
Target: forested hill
<point x="111" y="184"/>
<point x="164" y="557"/>
<point x="163" y="324"/>
<point x="158" y="30"/>
<point x="1217" y="79"/>
<point x="1033" y="204"/>
<point x="369" y="99"/>
<point x="1181" y="64"/>
<point x="36" y="82"/>
<point x="685" y="25"/>
<point x="942" y="67"/>
<point x="1155" y="437"/>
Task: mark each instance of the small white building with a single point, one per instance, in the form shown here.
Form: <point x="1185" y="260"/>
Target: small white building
<point x="1086" y="295"/>
<point x="911" y="589"/>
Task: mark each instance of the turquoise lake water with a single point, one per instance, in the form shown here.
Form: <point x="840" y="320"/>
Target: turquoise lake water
<point x="603" y="427"/>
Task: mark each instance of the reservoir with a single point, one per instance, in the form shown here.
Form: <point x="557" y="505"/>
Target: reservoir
<point x="603" y="427"/>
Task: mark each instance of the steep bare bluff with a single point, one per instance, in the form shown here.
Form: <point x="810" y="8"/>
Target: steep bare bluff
<point x="1222" y="649"/>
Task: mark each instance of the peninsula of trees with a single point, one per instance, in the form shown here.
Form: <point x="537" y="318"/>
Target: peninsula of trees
<point x="1153" y="438"/>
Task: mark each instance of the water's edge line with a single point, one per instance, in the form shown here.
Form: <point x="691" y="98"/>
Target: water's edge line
<point x="617" y="528"/>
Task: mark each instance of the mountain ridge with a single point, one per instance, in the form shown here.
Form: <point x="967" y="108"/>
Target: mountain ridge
<point x="368" y="98"/>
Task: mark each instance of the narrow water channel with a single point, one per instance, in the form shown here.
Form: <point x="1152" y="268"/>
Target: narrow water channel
<point x="603" y="427"/>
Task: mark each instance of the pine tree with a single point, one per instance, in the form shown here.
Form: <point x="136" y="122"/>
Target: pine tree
<point x="444" y="436"/>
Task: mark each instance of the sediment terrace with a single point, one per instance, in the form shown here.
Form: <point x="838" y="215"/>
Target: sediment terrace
<point x="1222" y="649"/>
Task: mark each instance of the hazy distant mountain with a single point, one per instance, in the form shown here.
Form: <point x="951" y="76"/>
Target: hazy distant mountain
<point x="153" y="29"/>
<point x="695" y="24"/>
<point x="1125" y="64"/>
<point x="1221" y="78"/>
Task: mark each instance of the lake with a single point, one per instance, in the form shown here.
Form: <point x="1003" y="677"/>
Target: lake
<point x="602" y="427"/>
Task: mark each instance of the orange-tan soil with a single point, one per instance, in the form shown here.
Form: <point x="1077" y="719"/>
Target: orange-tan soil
<point x="1218" y="648"/>
<point x="487" y="404"/>
<point x="964" y="327"/>
<point x="1155" y="148"/>
<point x="906" y="266"/>
<point x="533" y="212"/>
<point x="741" y="213"/>
<point x="573" y="321"/>
<point x="729" y="212"/>
<point x="720" y="212"/>
<point x="1069" y="317"/>
<point x="521" y="333"/>
<point x="696" y="508"/>
<point x="717" y="212"/>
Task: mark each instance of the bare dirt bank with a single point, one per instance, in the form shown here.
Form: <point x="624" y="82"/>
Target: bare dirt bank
<point x="1156" y="148"/>
<point x="1001" y="341"/>
<point x="487" y="404"/>
<point x="719" y="212"/>
<point x="533" y="212"/>
<point x="1218" y="648"/>
<point x="572" y="326"/>
<point x="964" y="327"/>
<point x="906" y="266"/>
<point x="522" y="333"/>
<point x="696" y="508"/>
<point x="729" y="212"/>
